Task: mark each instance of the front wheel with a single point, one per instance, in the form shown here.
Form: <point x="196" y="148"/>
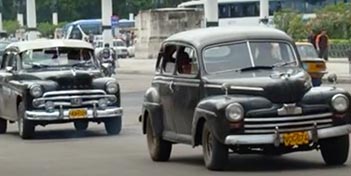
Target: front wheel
<point x="26" y="128"/>
<point x="215" y="153"/>
<point x="81" y="125"/>
<point x="159" y="149"/>
<point x="335" y="150"/>
<point x="113" y="125"/>
<point x="3" y="125"/>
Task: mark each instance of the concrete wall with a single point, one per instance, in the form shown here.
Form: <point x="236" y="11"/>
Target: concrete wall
<point x="154" y="26"/>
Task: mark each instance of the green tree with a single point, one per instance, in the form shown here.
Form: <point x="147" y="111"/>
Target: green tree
<point x="290" y="22"/>
<point x="11" y="26"/>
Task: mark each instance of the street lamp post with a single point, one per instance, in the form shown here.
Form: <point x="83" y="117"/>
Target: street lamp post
<point x="31" y="20"/>
<point x="106" y="10"/>
<point x="54" y="10"/>
<point x="1" y="9"/>
<point x="211" y="13"/>
<point x="19" y="5"/>
<point x="264" y="12"/>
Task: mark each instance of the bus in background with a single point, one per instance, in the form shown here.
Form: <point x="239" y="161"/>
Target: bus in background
<point x="247" y="12"/>
<point x="81" y="29"/>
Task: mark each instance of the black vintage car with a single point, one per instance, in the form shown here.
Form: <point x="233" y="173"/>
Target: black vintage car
<point x="56" y="81"/>
<point x="242" y="90"/>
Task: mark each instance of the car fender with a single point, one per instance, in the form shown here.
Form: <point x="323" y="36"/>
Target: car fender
<point x="152" y="110"/>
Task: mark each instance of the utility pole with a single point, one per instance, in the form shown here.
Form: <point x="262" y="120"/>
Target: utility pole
<point x="106" y="10"/>
<point x="211" y="12"/>
<point x="32" y="32"/>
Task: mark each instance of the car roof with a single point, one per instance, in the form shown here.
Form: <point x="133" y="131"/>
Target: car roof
<point x="208" y="36"/>
<point x="49" y="43"/>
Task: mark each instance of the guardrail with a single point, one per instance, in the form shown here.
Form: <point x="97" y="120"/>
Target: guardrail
<point x="340" y="50"/>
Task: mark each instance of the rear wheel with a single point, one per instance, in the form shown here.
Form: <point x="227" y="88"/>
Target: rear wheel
<point x="26" y="128"/>
<point x="3" y="125"/>
<point x="81" y="125"/>
<point x="335" y="151"/>
<point x="113" y="125"/>
<point x="215" y="153"/>
<point x="159" y="149"/>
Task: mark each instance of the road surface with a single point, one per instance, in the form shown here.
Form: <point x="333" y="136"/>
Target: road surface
<point x="58" y="150"/>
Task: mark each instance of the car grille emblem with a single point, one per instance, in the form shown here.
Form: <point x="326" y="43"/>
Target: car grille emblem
<point x="76" y="102"/>
<point x="290" y="109"/>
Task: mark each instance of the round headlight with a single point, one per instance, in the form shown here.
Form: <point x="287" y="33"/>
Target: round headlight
<point x="111" y="87"/>
<point x="102" y="103"/>
<point x="36" y="91"/>
<point x="340" y="103"/>
<point x="234" y="112"/>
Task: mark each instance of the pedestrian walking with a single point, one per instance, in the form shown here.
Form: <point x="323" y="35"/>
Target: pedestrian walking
<point x="311" y="38"/>
<point x="322" y="45"/>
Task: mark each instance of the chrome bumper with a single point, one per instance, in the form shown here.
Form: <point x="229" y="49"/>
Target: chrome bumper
<point x="64" y="114"/>
<point x="277" y="139"/>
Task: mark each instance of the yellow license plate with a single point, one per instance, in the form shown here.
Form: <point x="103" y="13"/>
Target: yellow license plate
<point x="78" y="113"/>
<point x="295" y="138"/>
<point x="316" y="67"/>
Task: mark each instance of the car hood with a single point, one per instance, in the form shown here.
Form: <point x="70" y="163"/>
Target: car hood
<point x="65" y="79"/>
<point x="279" y="85"/>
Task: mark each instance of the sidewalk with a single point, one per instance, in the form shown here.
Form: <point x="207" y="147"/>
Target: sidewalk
<point x="338" y="66"/>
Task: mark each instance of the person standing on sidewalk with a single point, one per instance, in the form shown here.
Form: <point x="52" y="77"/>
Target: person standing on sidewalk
<point x="322" y="45"/>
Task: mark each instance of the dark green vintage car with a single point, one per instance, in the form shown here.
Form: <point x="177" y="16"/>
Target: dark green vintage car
<point x="56" y="81"/>
<point x="241" y="90"/>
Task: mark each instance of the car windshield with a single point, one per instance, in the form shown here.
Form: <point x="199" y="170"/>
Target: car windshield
<point x="119" y="43"/>
<point x="58" y="57"/>
<point x="307" y="51"/>
<point x="233" y="57"/>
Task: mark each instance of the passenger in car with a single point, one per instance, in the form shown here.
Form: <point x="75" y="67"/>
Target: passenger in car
<point x="184" y="65"/>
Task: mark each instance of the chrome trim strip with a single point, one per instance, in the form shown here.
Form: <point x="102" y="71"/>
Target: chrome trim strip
<point x="161" y="82"/>
<point x="65" y="92"/>
<point x="247" y="88"/>
<point x="270" y="138"/>
<point x="64" y="114"/>
<point x="290" y="118"/>
<point x="248" y="131"/>
<point x="235" y="87"/>
<point x="151" y="103"/>
<point x="285" y="124"/>
<point x="187" y="84"/>
<point x="73" y="97"/>
<point x="206" y="111"/>
<point x="213" y="86"/>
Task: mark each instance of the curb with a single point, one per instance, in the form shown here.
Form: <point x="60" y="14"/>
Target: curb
<point x="340" y="80"/>
<point x="135" y="72"/>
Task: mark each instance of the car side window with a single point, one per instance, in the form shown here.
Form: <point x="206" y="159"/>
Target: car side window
<point x="11" y="61"/>
<point x="168" y="59"/>
<point x="187" y="61"/>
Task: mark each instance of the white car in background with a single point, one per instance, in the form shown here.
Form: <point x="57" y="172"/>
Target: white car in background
<point x="120" y="47"/>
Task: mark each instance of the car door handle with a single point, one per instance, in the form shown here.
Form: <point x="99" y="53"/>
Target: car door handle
<point x="171" y="86"/>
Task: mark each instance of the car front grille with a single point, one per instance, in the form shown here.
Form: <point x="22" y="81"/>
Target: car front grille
<point x="74" y="98"/>
<point x="267" y="125"/>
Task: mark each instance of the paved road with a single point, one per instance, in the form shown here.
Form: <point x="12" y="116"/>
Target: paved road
<point x="58" y="150"/>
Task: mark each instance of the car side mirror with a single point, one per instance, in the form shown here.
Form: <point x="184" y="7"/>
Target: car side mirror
<point x="9" y="69"/>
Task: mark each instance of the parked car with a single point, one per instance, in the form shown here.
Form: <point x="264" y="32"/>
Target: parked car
<point x="315" y="66"/>
<point x="3" y="45"/>
<point x="121" y="48"/>
<point x="56" y="81"/>
<point x="244" y="90"/>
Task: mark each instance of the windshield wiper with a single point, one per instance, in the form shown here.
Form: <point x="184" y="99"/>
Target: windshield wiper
<point x="255" y="68"/>
<point x="82" y="64"/>
<point x="38" y="65"/>
<point x="282" y="64"/>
